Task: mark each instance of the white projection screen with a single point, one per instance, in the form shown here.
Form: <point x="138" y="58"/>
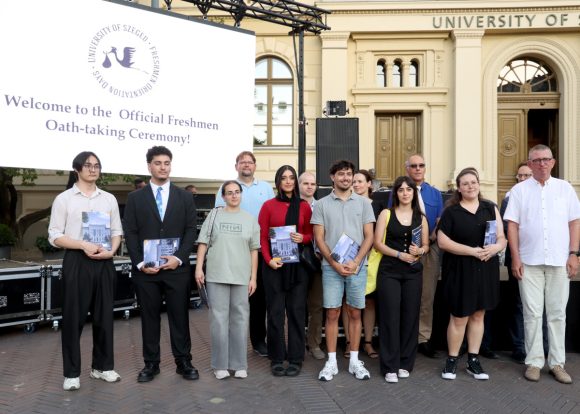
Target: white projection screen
<point x="117" y="79"/>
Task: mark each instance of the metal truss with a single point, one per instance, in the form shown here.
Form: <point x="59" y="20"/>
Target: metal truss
<point x="299" y="16"/>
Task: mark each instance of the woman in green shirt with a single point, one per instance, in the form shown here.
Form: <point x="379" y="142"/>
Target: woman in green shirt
<point x="230" y="237"/>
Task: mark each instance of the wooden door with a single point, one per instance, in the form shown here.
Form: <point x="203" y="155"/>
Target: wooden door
<point x="512" y="148"/>
<point x="398" y="137"/>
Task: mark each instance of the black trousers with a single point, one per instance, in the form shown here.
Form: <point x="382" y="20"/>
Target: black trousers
<point x="151" y="290"/>
<point x="87" y="286"/>
<point x="399" y="303"/>
<point x="286" y="304"/>
<point x="258" y="308"/>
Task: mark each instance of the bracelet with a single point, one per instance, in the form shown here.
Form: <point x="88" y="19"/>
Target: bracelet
<point x="398" y="255"/>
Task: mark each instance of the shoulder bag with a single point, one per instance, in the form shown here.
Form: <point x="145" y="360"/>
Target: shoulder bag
<point x="373" y="263"/>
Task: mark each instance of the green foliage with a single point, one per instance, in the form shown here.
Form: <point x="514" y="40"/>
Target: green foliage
<point x="7" y="237"/>
<point x="44" y="245"/>
<point x="107" y="178"/>
<point x="28" y="175"/>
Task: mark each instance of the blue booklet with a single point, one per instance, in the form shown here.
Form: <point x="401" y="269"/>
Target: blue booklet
<point x="416" y="236"/>
<point x="490" y="232"/>
<point x="345" y="250"/>
<point x="283" y="248"/>
<point x="153" y="249"/>
<point x="96" y="228"/>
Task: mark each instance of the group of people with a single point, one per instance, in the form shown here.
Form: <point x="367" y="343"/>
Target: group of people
<point x="251" y="291"/>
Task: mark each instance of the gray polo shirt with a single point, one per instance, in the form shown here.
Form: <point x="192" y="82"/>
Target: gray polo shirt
<point x="338" y="216"/>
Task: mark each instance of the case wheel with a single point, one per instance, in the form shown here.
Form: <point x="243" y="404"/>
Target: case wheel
<point x="30" y="328"/>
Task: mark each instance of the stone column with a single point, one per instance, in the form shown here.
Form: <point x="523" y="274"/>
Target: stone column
<point x="467" y="93"/>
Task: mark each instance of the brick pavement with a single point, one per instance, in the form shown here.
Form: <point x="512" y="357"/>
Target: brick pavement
<point x="31" y="381"/>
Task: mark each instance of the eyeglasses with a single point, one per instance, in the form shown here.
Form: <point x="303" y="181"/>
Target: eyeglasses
<point x="232" y="193"/>
<point x="523" y="175"/>
<point x="422" y="165"/>
<point x="246" y="162"/>
<point x="92" y="167"/>
<point x="539" y="161"/>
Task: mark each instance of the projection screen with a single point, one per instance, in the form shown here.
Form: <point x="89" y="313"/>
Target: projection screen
<point x="118" y="79"/>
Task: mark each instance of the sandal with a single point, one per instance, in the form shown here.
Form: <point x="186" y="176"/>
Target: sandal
<point x="347" y="350"/>
<point x="373" y="354"/>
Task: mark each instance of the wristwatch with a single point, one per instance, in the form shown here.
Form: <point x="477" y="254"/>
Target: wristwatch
<point x="576" y="252"/>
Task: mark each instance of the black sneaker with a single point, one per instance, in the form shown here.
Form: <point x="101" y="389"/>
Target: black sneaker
<point x="450" y="368"/>
<point x="474" y="368"/>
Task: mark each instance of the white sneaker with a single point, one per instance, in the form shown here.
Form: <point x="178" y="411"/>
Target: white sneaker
<point x="221" y="373"/>
<point x="109" y="376"/>
<point x="403" y="373"/>
<point x="328" y="372"/>
<point x="241" y="373"/>
<point x="358" y="370"/>
<point x="71" y="384"/>
<point x="391" y="377"/>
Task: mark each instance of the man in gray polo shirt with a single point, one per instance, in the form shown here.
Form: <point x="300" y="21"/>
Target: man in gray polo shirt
<point x="343" y="212"/>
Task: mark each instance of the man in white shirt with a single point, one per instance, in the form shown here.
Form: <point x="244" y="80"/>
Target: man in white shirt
<point x="544" y="231"/>
<point x="88" y="272"/>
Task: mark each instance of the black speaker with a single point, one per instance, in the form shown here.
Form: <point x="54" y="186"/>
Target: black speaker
<point x="336" y="108"/>
<point x="336" y="139"/>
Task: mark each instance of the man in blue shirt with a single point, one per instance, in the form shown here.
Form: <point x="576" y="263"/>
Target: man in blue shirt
<point x="432" y="203"/>
<point x="254" y="194"/>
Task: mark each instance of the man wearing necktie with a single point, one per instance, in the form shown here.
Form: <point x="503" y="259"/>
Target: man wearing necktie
<point x="162" y="210"/>
<point x="431" y="202"/>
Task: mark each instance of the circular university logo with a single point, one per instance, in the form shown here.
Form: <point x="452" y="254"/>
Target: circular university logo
<point x="123" y="61"/>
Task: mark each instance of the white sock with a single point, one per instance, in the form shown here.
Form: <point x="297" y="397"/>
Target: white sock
<point x="332" y="357"/>
<point x="353" y="356"/>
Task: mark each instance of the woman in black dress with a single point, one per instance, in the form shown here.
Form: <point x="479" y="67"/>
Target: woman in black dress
<point x="470" y="268"/>
<point x="400" y="279"/>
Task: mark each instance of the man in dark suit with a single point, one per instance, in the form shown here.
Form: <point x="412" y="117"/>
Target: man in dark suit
<point x="161" y="210"/>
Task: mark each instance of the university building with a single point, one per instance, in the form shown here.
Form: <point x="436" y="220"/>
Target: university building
<point x="465" y="83"/>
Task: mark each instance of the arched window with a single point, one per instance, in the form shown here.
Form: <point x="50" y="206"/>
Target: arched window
<point x="414" y="73"/>
<point x="273" y="103"/>
<point x="381" y="74"/>
<point x="397" y="74"/>
<point x="525" y="75"/>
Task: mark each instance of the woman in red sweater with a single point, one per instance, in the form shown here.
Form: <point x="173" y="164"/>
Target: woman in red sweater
<point x="286" y="284"/>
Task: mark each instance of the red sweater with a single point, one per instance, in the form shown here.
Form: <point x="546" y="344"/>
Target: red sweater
<point x="273" y="214"/>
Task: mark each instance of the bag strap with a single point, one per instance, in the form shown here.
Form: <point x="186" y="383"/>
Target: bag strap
<point x="387" y="223"/>
<point x="213" y="214"/>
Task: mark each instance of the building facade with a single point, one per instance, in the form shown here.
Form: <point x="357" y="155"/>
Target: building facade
<point x="465" y="83"/>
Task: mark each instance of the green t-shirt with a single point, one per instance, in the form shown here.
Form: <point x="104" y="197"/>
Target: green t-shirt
<point x="233" y="237"/>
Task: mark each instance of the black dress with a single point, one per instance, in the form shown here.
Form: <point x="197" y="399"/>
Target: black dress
<point x="469" y="284"/>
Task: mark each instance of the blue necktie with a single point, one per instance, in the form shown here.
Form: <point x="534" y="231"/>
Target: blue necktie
<point x="159" y="201"/>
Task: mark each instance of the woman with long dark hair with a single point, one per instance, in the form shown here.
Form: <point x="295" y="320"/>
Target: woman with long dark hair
<point x="400" y="279"/>
<point x="286" y="284"/>
<point x="470" y="268"/>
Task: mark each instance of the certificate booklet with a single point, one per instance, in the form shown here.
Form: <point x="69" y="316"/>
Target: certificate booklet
<point x="416" y="236"/>
<point x="153" y="249"/>
<point x="345" y="250"/>
<point x="490" y="232"/>
<point x="96" y="228"/>
<point x="283" y="248"/>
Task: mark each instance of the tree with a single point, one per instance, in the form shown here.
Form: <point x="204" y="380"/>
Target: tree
<point x="9" y="196"/>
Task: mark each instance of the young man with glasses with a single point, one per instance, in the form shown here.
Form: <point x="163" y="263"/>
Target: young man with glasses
<point x="431" y="202"/>
<point x="544" y="232"/>
<point x="255" y="193"/>
<point x="88" y="272"/>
